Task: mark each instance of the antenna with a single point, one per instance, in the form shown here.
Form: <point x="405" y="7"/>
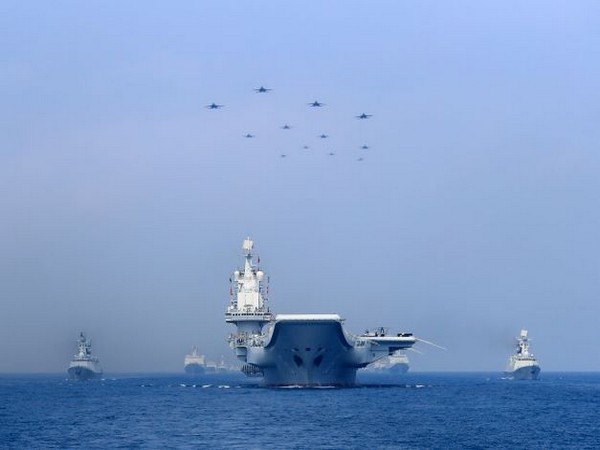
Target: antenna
<point x="431" y="343"/>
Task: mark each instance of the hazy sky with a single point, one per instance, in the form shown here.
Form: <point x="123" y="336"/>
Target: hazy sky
<point x="124" y="202"/>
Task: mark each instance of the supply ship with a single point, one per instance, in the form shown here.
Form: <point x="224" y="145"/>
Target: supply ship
<point x="396" y="363"/>
<point x="297" y="349"/>
<point x="84" y="366"/>
<point x="522" y="365"/>
<point x="194" y="363"/>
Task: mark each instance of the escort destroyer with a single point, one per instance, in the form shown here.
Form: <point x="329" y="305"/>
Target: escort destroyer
<point x="84" y="366"/>
<point x="522" y="365"/>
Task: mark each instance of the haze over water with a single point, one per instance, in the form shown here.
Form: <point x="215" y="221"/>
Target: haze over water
<point x="124" y="201"/>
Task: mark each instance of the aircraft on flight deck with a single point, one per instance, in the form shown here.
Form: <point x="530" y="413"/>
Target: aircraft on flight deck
<point x="262" y="89"/>
<point x="214" y="106"/>
<point x="316" y="104"/>
<point x="363" y="116"/>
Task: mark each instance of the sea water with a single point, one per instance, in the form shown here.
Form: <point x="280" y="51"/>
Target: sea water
<point x="412" y="411"/>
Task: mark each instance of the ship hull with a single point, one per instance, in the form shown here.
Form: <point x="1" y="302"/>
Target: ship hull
<point x="315" y="352"/>
<point x="194" y="369"/>
<point x="83" y="373"/>
<point x="399" y="368"/>
<point x="530" y="372"/>
<point x="305" y="353"/>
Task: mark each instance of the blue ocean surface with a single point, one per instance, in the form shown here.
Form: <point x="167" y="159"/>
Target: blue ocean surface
<point x="412" y="411"/>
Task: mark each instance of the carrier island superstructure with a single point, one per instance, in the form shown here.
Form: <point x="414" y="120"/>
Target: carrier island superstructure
<point x="297" y="349"/>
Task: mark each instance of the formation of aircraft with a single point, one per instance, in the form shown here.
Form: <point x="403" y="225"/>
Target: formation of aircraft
<point x="314" y="104"/>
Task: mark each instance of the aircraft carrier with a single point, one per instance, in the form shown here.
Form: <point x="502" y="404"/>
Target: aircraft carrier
<point x="297" y="349"/>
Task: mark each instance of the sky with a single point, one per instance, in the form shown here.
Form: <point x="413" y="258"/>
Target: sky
<point x="124" y="201"/>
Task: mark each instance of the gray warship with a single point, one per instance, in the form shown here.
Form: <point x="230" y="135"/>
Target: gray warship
<point x="397" y="363"/>
<point x="84" y="366"/>
<point x="522" y="365"/>
<point x="194" y="363"/>
<point x="297" y="349"/>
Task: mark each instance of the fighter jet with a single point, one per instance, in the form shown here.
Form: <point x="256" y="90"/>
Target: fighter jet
<point x="214" y="106"/>
<point x="262" y="89"/>
<point x="316" y="104"/>
<point x="286" y="127"/>
<point x="363" y="116"/>
<point x="248" y="135"/>
<point x="324" y="136"/>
